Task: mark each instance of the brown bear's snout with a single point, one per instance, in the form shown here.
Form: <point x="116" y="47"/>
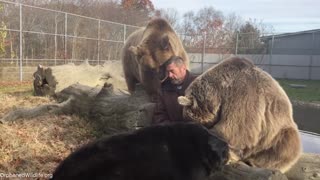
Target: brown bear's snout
<point x="162" y="74"/>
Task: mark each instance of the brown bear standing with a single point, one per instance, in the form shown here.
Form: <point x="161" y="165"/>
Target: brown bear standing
<point x="146" y="50"/>
<point x="248" y="108"/>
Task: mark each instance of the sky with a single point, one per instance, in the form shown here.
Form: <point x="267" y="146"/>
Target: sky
<point x="283" y="15"/>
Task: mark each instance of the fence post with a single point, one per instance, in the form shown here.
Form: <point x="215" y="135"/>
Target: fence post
<point x="65" y="36"/>
<point x="21" y="41"/>
<point x="55" y="39"/>
<point x="124" y="33"/>
<point x="203" y="50"/>
<point x="99" y="25"/>
<point x="271" y="52"/>
<point x="236" y="53"/>
<point x="311" y="56"/>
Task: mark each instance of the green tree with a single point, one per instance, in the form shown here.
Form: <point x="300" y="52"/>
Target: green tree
<point x="249" y="38"/>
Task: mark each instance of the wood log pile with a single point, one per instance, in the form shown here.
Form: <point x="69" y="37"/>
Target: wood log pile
<point x="49" y="80"/>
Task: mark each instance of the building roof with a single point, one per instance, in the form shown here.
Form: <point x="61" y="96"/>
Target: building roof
<point x="291" y="34"/>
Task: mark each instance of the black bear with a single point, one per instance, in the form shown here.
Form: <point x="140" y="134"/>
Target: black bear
<point x="181" y="151"/>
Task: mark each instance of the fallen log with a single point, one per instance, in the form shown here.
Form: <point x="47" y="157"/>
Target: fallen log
<point x="110" y="110"/>
<point x="28" y="113"/>
<point x="51" y="80"/>
<point x="307" y="167"/>
<point x="75" y="99"/>
<point x="240" y="171"/>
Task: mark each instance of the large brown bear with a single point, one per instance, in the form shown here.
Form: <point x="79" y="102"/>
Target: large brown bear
<point x="146" y="50"/>
<point x="182" y="151"/>
<point x="248" y="108"/>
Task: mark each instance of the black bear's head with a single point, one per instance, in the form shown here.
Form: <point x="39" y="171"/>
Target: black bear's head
<point x="207" y="152"/>
<point x="218" y="152"/>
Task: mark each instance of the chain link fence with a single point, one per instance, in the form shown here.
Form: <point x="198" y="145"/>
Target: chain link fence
<point x="286" y="55"/>
<point x="33" y="35"/>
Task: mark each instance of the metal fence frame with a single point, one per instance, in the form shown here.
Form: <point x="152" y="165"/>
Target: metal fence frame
<point x="266" y="59"/>
<point x="65" y="35"/>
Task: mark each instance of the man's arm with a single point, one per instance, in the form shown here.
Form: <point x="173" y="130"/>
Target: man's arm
<point x="160" y="115"/>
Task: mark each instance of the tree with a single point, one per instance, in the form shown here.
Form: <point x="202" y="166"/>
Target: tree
<point x="187" y="30"/>
<point x="139" y="5"/>
<point x="231" y="27"/>
<point x="171" y="15"/>
<point x="188" y="26"/>
<point x="206" y="26"/>
<point x="136" y="12"/>
<point x="211" y="29"/>
<point x="209" y="20"/>
<point x="249" y="38"/>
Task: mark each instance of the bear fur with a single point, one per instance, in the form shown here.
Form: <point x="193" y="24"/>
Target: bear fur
<point x="146" y="50"/>
<point x="185" y="151"/>
<point x="244" y="105"/>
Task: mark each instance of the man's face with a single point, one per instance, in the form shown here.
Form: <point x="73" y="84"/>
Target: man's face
<point x="176" y="73"/>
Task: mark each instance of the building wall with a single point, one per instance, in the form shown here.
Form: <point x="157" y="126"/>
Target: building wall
<point x="279" y="66"/>
<point x="299" y="44"/>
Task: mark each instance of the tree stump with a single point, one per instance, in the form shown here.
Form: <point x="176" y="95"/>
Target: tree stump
<point x="43" y="81"/>
<point x="51" y="80"/>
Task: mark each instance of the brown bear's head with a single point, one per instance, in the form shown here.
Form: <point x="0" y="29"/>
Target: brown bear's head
<point x="159" y="43"/>
<point x="201" y="102"/>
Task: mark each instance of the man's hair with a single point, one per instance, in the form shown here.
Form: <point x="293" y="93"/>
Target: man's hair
<point x="177" y="60"/>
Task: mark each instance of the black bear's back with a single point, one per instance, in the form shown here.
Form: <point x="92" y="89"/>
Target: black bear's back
<point x="162" y="152"/>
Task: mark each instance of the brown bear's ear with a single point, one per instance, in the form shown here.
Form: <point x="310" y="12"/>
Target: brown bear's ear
<point x="184" y="101"/>
<point x="165" y="44"/>
<point x="134" y="50"/>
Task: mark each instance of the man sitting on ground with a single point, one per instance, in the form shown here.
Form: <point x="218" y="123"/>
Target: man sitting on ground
<point x="178" y="79"/>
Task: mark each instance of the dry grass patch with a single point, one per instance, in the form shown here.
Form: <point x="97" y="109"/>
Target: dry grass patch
<point x="16" y="87"/>
<point x="37" y="145"/>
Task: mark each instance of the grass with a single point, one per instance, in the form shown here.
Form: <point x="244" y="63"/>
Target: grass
<point x="24" y="87"/>
<point x="39" y="144"/>
<point x="311" y="93"/>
